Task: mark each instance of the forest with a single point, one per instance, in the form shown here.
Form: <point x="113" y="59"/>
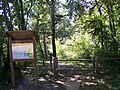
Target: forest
<point x="67" y="29"/>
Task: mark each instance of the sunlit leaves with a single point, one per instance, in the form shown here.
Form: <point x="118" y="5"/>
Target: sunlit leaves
<point x="79" y="46"/>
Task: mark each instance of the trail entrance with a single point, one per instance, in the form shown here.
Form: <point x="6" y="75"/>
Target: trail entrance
<point x="71" y="76"/>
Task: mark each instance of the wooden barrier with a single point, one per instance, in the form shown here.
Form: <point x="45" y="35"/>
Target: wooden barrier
<point x="95" y="65"/>
<point x="55" y="66"/>
<point x="93" y="61"/>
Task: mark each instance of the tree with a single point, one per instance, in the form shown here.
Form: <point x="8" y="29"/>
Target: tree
<point x="53" y="27"/>
<point x="19" y="12"/>
<point x="23" y="24"/>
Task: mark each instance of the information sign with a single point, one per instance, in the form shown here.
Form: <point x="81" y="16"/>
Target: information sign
<point x="22" y="51"/>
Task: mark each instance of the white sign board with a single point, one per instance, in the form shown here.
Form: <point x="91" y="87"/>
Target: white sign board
<point x="22" y="51"/>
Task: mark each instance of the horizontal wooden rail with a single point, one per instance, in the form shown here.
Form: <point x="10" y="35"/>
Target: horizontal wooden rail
<point x="79" y="60"/>
<point x="109" y="59"/>
<point x="69" y="60"/>
<point x="84" y="69"/>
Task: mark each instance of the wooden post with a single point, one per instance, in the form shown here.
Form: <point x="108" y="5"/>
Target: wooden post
<point x="35" y="72"/>
<point x="55" y="67"/>
<point x="11" y="63"/>
<point x="50" y="62"/>
<point x="96" y="65"/>
<point x="12" y="74"/>
<point x="35" y="62"/>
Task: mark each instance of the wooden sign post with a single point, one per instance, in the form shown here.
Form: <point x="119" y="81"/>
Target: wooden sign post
<point x="22" y="48"/>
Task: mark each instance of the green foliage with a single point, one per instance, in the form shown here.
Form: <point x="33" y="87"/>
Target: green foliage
<point x="79" y="46"/>
<point x="84" y="29"/>
<point x="84" y="46"/>
<point x="113" y="74"/>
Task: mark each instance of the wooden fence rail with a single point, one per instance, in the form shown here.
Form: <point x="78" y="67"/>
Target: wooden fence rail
<point x="93" y="61"/>
<point x="55" y="62"/>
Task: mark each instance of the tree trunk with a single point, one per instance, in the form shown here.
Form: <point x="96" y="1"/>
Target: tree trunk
<point x="42" y="53"/>
<point x="0" y="52"/>
<point x="101" y="25"/>
<point x="8" y="21"/>
<point x="53" y="28"/>
<point x="45" y="49"/>
<point x="17" y="9"/>
<point x="23" y="25"/>
<point x="41" y="50"/>
<point x="112" y="28"/>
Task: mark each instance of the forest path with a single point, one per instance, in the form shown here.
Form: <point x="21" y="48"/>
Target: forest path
<point x="67" y="80"/>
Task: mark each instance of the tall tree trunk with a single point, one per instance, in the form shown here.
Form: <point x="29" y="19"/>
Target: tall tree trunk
<point x="45" y="49"/>
<point x="7" y="20"/>
<point x="41" y="50"/>
<point x="112" y="28"/>
<point x="42" y="53"/>
<point x="6" y="9"/>
<point x="23" y="25"/>
<point x="53" y="28"/>
<point x="101" y="24"/>
<point x="0" y="52"/>
<point x="17" y="9"/>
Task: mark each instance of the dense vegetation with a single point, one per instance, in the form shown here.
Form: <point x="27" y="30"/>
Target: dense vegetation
<point x="68" y="29"/>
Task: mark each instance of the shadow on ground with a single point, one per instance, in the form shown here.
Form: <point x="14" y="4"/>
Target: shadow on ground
<point x="63" y="83"/>
<point x="66" y="80"/>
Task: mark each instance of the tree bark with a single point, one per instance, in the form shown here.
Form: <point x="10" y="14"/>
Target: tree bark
<point x="53" y="27"/>
<point x="45" y="49"/>
<point x="0" y="52"/>
<point x="23" y="25"/>
<point x="8" y="21"/>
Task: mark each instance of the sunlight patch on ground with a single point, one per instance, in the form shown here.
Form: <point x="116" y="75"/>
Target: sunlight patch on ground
<point x="42" y="79"/>
<point x="60" y="82"/>
<point x="89" y="83"/>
